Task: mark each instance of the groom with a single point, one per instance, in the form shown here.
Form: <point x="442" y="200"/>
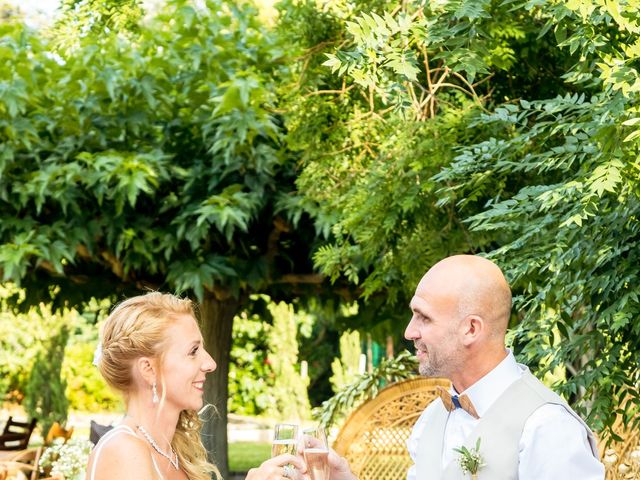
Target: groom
<point x="461" y="310"/>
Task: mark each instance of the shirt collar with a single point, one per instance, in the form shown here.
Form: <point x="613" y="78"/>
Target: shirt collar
<point x="489" y="388"/>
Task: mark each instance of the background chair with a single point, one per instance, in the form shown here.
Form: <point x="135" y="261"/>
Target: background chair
<point x="620" y="458"/>
<point x="57" y="431"/>
<point x="96" y="431"/>
<point x="374" y="437"/>
<point x="24" y="461"/>
<point x="16" y="470"/>
<point x="16" y="435"/>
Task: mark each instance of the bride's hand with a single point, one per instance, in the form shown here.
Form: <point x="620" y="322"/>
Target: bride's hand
<point x="278" y="468"/>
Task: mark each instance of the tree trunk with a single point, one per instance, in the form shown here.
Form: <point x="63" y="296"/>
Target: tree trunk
<point x="217" y="322"/>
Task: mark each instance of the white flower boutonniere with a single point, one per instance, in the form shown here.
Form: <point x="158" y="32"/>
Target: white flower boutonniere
<point x="470" y="459"/>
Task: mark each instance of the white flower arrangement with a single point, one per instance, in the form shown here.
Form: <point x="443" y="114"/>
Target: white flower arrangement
<point x="67" y="459"/>
<point x="470" y="459"/>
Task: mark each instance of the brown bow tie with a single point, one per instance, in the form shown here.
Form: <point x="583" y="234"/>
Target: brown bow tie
<point x="451" y="402"/>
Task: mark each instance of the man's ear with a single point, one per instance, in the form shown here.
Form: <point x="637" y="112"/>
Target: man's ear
<point x="473" y="327"/>
<point x="147" y="369"/>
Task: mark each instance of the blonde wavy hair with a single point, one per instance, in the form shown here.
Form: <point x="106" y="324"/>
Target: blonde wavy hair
<point x="137" y="328"/>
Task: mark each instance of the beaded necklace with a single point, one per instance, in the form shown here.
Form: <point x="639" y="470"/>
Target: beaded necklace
<point x="155" y="446"/>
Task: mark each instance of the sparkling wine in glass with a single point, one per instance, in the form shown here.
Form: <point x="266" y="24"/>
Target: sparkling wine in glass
<point x="316" y="453"/>
<point x="285" y="439"/>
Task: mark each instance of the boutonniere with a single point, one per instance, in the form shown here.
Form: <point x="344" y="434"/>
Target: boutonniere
<point x="470" y="459"/>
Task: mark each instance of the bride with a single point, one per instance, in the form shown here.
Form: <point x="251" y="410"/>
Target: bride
<point x="152" y="352"/>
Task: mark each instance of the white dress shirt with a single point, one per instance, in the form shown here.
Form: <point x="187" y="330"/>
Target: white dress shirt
<point x="553" y="445"/>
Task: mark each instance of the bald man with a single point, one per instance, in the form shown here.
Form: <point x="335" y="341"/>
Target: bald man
<point x="461" y="310"/>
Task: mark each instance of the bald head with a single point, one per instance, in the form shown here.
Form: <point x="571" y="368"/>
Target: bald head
<point x="471" y="285"/>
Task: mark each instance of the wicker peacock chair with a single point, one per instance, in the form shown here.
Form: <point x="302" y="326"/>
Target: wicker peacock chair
<point x="622" y="459"/>
<point x="374" y="437"/>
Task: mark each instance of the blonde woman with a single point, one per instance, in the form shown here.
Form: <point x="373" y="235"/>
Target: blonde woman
<point x="152" y="352"/>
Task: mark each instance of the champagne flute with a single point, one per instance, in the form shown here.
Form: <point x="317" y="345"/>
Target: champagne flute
<point x="285" y="439"/>
<point x="316" y="453"/>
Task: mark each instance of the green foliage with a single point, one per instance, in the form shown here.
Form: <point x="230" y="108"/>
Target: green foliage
<point x="147" y="157"/>
<point x="94" y="19"/>
<point x="86" y="389"/>
<point x="45" y="397"/>
<point x="345" y="367"/>
<point x="147" y="152"/>
<point x="570" y="234"/>
<point x="366" y="386"/>
<point x="380" y="234"/>
<point x="258" y="349"/>
<point x="414" y="59"/>
<point x="24" y="336"/>
<point x="373" y="135"/>
<point x="520" y="117"/>
<point x="250" y="375"/>
<point x="318" y="345"/>
<point x="289" y="398"/>
<point x="17" y="352"/>
<point x="575" y="235"/>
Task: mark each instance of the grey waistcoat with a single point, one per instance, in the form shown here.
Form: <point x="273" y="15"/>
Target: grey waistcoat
<point x="500" y="430"/>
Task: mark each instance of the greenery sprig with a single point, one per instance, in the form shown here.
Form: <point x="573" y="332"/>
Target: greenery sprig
<point x="470" y="459"/>
<point x="367" y="386"/>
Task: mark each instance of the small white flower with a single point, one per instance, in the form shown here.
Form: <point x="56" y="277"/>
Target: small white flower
<point x="68" y="459"/>
<point x="470" y="459"/>
<point x="97" y="355"/>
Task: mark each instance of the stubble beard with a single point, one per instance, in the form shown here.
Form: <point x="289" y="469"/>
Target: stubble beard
<point x="436" y="365"/>
<point x="430" y="366"/>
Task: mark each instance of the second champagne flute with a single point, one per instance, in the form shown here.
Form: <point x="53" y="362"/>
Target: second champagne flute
<point x="285" y="439"/>
<point x="316" y="453"/>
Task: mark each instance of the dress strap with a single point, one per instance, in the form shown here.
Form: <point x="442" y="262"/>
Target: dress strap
<point x="155" y="465"/>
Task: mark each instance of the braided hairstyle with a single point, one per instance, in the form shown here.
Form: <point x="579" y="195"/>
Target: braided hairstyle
<point x="137" y="328"/>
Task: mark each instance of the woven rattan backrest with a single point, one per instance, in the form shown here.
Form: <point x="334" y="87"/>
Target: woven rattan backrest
<point x="617" y="453"/>
<point x="374" y="437"/>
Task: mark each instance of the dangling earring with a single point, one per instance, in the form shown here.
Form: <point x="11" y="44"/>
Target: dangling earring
<point x="155" y="398"/>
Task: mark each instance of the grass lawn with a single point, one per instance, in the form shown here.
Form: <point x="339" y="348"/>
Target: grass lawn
<point x="246" y="455"/>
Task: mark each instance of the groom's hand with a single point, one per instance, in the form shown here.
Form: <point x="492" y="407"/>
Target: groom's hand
<point x="339" y="467"/>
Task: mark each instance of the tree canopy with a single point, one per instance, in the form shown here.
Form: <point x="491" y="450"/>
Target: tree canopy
<point x="150" y="157"/>
<point x="502" y="128"/>
<point x="158" y="161"/>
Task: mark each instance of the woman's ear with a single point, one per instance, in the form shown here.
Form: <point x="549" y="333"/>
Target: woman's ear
<point x="147" y="369"/>
<point x="473" y="326"/>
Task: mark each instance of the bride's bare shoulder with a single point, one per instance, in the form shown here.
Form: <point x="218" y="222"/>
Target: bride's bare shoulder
<point x="123" y="457"/>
